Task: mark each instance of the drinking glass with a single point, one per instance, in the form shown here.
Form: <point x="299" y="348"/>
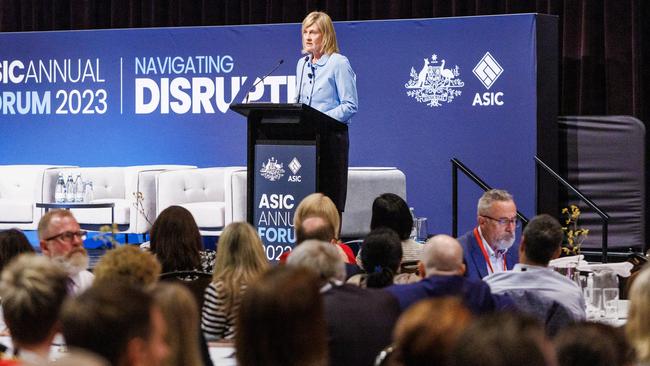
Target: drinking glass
<point x="422" y="229"/>
<point x="610" y="302"/>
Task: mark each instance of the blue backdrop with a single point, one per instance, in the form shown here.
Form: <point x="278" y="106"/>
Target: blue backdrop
<point x="428" y="89"/>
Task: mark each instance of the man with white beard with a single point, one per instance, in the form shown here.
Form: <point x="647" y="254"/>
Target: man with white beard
<point x="488" y="248"/>
<point x="61" y="239"/>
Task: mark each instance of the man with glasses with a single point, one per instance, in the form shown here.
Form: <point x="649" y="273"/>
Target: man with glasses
<point x="488" y="248"/>
<point x="61" y="239"/>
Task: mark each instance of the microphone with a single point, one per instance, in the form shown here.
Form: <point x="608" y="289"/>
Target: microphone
<point x="262" y="79"/>
<point x="302" y="72"/>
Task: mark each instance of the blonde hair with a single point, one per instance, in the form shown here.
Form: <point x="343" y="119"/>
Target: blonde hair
<point x="323" y="22"/>
<point x="179" y="309"/>
<point x="129" y="265"/>
<point x="33" y="289"/>
<point x="240" y="260"/>
<point x="638" y="321"/>
<point x="317" y="205"/>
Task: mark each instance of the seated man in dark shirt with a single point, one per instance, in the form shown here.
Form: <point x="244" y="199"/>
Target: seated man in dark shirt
<point x="442" y="268"/>
<point x="359" y="321"/>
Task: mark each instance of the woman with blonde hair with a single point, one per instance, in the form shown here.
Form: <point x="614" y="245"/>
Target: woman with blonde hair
<point x="240" y="261"/>
<point x="326" y="82"/>
<point x="319" y="205"/>
<point x="637" y="327"/>
<point x="181" y="313"/>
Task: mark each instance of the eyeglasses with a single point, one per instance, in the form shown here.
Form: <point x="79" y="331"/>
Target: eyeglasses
<point x="69" y="235"/>
<point x="505" y="222"/>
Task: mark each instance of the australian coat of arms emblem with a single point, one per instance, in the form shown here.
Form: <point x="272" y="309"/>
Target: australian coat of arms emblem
<point x="434" y="84"/>
<point x="272" y="170"/>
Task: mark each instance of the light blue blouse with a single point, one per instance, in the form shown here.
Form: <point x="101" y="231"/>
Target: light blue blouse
<point x="328" y="85"/>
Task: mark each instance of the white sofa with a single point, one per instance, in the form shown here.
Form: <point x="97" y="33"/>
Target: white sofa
<point x="207" y="193"/>
<point x="118" y="185"/>
<point x="21" y="187"/>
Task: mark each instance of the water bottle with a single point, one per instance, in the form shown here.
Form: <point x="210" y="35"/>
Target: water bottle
<point x="414" y="229"/>
<point x="69" y="189"/>
<point x="59" y="191"/>
<point x="78" y="189"/>
<point x="88" y="192"/>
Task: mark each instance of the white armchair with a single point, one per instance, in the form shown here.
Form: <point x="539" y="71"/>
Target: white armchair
<point x="21" y="187"/>
<point x="207" y="193"/>
<point x="120" y="186"/>
<point x="364" y="185"/>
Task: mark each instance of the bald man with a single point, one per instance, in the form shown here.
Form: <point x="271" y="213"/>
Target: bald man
<point x="442" y="267"/>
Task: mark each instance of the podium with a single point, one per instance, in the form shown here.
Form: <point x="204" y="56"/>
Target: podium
<point x="291" y="152"/>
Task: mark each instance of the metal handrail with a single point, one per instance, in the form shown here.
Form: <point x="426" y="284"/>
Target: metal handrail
<point x="604" y="216"/>
<point x="455" y="166"/>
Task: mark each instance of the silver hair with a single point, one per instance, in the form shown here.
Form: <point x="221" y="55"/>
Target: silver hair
<point x="491" y="196"/>
<point x="319" y="256"/>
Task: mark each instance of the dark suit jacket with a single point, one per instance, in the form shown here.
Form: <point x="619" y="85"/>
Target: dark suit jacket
<point x="475" y="294"/>
<point x="474" y="260"/>
<point x="359" y="322"/>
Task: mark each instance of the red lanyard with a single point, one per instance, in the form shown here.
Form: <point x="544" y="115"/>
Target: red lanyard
<point x="484" y="251"/>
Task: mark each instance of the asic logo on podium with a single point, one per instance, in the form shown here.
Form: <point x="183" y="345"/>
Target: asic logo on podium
<point x="272" y="170"/>
<point x="294" y="166"/>
<point x="488" y="71"/>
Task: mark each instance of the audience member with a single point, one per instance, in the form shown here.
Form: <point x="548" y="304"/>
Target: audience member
<point x="180" y="311"/>
<point x="442" y="267"/>
<point x="319" y="205"/>
<point x="61" y="239"/>
<point x="487" y="247"/>
<point x="503" y="339"/>
<point x="359" y="321"/>
<point x="541" y="241"/>
<point x="12" y="243"/>
<point x="592" y="344"/>
<point x="381" y="258"/>
<point x="319" y="228"/>
<point x="637" y="327"/>
<point x="240" y="261"/>
<point x="117" y="322"/>
<point x="176" y="241"/>
<point x="129" y="265"/>
<point x="281" y="321"/>
<point x="391" y="211"/>
<point x="427" y="332"/>
<point x="33" y="290"/>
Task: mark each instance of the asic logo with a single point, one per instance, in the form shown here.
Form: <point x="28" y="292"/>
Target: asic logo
<point x="294" y="166"/>
<point x="272" y="170"/>
<point x="434" y="84"/>
<point x="488" y="71"/>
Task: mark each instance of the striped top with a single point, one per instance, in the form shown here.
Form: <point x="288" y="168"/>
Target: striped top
<point x="215" y="322"/>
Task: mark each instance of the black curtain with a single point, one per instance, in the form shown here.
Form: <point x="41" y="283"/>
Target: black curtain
<point x="603" y="43"/>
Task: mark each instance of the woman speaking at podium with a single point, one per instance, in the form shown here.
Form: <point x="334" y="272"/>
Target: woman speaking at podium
<point x="327" y="83"/>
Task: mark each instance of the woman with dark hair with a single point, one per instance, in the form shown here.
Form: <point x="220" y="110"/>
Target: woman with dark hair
<point x="177" y="243"/>
<point x="12" y="243"/>
<point x="381" y="258"/>
<point x="391" y="211"/>
<point x="281" y="320"/>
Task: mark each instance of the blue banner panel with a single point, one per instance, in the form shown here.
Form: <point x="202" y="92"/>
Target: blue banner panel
<point x="285" y="174"/>
<point x="429" y="90"/>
